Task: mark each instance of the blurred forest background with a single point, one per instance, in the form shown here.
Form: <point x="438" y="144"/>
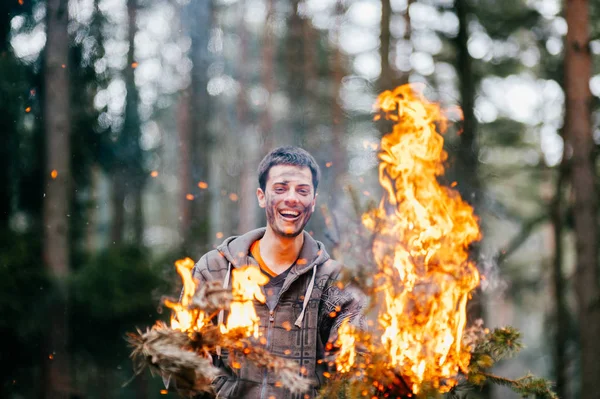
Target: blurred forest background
<point x="130" y="132"/>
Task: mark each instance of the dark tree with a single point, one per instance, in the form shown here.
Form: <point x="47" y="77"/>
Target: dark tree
<point x="56" y="205"/>
<point x="579" y="147"/>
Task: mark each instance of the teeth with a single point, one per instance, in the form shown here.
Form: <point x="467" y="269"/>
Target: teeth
<point x="289" y="213"/>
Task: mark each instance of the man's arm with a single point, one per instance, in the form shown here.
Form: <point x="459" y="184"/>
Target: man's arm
<point x="341" y="303"/>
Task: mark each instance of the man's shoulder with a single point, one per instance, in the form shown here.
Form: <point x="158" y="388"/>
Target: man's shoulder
<point x="331" y="268"/>
<point x="211" y="266"/>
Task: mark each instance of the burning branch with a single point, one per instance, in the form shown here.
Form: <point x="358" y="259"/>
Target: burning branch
<point x="170" y="353"/>
<point x="182" y="353"/>
<point x="421" y="233"/>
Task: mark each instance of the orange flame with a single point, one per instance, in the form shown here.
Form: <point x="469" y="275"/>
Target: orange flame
<point x="245" y="283"/>
<point x="423" y="231"/>
<point x="347" y="354"/>
<point x="185" y="319"/>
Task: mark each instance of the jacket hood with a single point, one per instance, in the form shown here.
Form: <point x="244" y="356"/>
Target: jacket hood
<point x="235" y="250"/>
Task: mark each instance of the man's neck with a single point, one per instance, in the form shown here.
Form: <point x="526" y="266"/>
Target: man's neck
<point x="278" y="252"/>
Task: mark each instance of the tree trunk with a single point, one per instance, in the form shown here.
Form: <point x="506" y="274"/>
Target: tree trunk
<point x="128" y="175"/>
<point x="132" y="152"/>
<point x="310" y="73"/>
<point x="199" y="24"/>
<point x="246" y="206"/>
<point x="385" y="37"/>
<point x="296" y="76"/>
<point x="561" y="321"/>
<point x="468" y="152"/>
<point x="7" y="124"/>
<point x="117" y="200"/>
<point x="185" y="130"/>
<point x="56" y="204"/>
<point x="466" y="159"/>
<point x="266" y="122"/>
<point x="7" y="127"/>
<point x="466" y="164"/>
<point x="338" y="147"/>
<point x="579" y="142"/>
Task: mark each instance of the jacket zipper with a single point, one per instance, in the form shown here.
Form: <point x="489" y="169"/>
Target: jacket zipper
<point x="263" y="391"/>
<point x="269" y="331"/>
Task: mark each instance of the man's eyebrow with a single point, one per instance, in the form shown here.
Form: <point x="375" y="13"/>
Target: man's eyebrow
<point x="286" y="182"/>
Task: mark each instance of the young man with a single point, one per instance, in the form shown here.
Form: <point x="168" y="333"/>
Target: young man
<point x="305" y="305"/>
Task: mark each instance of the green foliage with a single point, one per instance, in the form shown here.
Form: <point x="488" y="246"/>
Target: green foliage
<point x="115" y="283"/>
<point x="499" y="344"/>
<point x="114" y="292"/>
<point x="503" y="17"/>
<point x="494" y="346"/>
<point x="502" y="132"/>
<point x="526" y="386"/>
<point x="24" y="288"/>
<point x="21" y="276"/>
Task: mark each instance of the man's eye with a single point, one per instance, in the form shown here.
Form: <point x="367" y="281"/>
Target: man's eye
<point x="279" y="190"/>
<point x="304" y="192"/>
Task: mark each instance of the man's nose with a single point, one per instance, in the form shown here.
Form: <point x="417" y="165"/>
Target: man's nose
<point x="291" y="197"/>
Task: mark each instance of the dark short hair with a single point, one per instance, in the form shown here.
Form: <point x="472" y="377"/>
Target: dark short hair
<point x="288" y="155"/>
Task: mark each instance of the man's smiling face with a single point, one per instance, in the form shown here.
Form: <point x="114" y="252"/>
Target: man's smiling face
<point x="289" y="199"/>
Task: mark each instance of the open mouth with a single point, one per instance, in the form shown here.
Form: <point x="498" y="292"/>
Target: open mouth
<point x="290" y="216"/>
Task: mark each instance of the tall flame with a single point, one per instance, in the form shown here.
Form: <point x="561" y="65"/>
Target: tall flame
<point x="246" y="283"/>
<point x="423" y="231"/>
<point x="183" y="318"/>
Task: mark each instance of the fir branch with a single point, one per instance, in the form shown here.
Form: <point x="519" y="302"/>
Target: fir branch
<point x="525" y="386"/>
<point x="500" y="343"/>
<point x="489" y="348"/>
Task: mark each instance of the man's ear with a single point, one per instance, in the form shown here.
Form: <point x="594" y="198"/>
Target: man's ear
<point x="314" y="202"/>
<point x="260" y="194"/>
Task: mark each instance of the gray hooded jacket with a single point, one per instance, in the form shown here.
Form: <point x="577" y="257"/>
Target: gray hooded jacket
<point x="307" y="314"/>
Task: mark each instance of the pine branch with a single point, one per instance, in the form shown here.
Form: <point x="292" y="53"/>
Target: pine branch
<point x="489" y="348"/>
<point x="499" y="344"/>
<point x="525" y="386"/>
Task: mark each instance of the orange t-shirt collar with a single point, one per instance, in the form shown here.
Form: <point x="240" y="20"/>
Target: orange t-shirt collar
<point x="255" y="251"/>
